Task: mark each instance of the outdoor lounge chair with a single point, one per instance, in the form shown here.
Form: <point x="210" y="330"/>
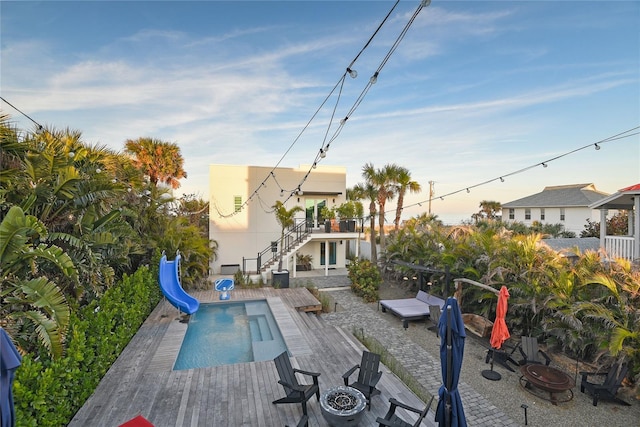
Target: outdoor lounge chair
<point x="608" y="389"/>
<point x="368" y="376"/>
<point x="434" y="317"/>
<point x="296" y="392"/>
<point x="530" y="352"/>
<point x="411" y="308"/>
<point x="391" y="419"/>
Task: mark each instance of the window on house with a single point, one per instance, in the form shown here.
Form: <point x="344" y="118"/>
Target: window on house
<point x="561" y="214"/>
<point x="512" y="214"/>
<point x="237" y="203"/>
<point x="541" y="214"/>
<point x="527" y="213"/>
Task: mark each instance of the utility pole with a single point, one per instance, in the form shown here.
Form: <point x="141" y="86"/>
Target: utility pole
<point x="431" y="193"/>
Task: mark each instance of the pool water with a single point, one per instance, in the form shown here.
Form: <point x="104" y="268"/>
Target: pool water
<point x="228" y="333"/>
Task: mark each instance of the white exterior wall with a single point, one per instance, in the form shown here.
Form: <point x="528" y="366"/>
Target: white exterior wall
<point x="246" y="233"/>
<point x="575" y="217"/>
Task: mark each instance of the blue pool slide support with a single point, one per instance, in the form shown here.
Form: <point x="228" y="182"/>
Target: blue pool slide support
<point x="169" y="280"/>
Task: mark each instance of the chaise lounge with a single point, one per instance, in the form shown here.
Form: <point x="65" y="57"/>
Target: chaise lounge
<point x="411" y="308"/>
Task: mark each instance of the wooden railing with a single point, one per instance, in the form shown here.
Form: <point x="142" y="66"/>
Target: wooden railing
<point x="620" y="247"/>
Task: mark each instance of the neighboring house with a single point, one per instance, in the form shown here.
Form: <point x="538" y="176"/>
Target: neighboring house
<point x="562" y="204"/>
<point x="627" y="247"/>
<point x="244" y="225"/>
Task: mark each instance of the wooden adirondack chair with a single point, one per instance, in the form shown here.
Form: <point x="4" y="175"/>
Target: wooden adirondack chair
<point x="296" y="392"/>
<point x="391" y="419"/>
<point x="608" y="389"/>
<point x="368" y="376"/>
<point x="530" y="352"/>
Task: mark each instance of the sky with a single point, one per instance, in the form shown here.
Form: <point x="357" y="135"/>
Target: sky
<point x="473" y="91"/>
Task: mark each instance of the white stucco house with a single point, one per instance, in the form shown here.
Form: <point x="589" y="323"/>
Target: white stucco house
<point x="568" y="205"/>
<point x="243" y="223"/>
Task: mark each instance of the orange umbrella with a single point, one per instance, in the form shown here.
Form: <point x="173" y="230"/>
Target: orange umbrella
<point x="500" y="332"/>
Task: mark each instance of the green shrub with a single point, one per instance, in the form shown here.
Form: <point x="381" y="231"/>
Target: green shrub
<point x="365" y="279"/>
<point x="49" y="393"/>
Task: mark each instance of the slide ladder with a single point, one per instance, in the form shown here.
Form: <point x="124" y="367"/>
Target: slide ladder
<point x="169" y="280"/>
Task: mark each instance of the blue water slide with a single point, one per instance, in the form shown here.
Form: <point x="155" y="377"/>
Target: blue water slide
<point x="171" y="288"/>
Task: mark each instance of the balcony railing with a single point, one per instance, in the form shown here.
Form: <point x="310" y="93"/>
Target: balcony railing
<point x="620" y="247"/>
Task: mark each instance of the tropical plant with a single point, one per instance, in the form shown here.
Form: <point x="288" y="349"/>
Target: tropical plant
<point x="286" y="218"/>
<point x="383" y="180"/>
<point x="161" y="161"/>
<point x="367" y="191"/>
<point x="34" y="306"/>
<point x="404" y="183"/>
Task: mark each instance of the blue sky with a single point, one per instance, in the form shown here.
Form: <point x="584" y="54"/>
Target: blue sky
<point x="474" y="91"/>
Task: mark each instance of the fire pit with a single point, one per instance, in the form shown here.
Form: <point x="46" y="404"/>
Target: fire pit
<point x="342" y="406"/>
<point x="548" y="379"/>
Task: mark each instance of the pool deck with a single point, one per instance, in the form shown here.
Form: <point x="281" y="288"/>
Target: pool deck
<point x="142" y="382"/>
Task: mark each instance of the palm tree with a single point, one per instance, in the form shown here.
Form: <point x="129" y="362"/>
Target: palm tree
<point x="160" y="161"/>
<point x="402" y="178"/>
<point x="382" y="179"/>
<point x="286" y="219"/>
<point x="368" y="191"/>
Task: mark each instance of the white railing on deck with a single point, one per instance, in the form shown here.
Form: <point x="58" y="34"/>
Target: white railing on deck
<point x="619" y="247"/>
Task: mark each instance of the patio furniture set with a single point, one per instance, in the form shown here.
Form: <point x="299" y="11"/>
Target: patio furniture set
<point x="342" y="405"/>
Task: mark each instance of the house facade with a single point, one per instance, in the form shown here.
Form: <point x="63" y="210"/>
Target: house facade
<point x="244" y="225"/>
<point x="568" y="205"/>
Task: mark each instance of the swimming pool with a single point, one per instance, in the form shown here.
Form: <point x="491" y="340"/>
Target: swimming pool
<point x="228" y="333"/>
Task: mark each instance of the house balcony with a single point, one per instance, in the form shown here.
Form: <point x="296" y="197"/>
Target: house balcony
<point x="620" y="247"/>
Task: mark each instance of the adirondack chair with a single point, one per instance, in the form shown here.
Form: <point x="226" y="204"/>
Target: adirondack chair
<point x="608" y="389"/>
<point x="368" y="376"/>
<point x="391" y="419"/>
<point x="530" y="352"/>
<point x="296" y="392"/>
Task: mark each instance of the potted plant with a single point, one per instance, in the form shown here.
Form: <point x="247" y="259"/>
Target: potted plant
<point x="329" y="214"/>
<point x="303" y="262"/>
<point x="286" y="219"/>
<point x="347" y="212"/>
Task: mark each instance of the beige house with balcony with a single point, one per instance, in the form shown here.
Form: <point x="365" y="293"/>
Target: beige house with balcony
<point x="243" y="222"/>
<point x="568" y="205"/>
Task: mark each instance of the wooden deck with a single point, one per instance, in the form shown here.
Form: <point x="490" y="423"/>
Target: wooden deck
<point x="142" y="381"/>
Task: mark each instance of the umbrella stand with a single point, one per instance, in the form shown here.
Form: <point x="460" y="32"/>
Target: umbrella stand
<point x="447" y="412"/>
<point x="490" y="374"/>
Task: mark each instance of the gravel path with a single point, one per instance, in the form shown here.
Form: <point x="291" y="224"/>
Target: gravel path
<point x="486" y="403"/>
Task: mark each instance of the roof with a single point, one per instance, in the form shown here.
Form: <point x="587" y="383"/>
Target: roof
<point x="576" y="195"/>
<point x="622" y="200"/>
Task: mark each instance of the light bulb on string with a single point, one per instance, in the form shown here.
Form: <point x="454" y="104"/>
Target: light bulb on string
<point x="352" y="73"/>
<point x="343" y="121"/>
<point x="323" y="154"/>
<point x="501" y="179"/>
<point x="468" y="191"/>
<point x="544" y="165"/>
<point x="374" y="78"/>
<point x="596" y="146"/>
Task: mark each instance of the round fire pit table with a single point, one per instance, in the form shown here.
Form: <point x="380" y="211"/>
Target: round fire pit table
<point x="549" y="380"/>
<point x="342" y="406"/>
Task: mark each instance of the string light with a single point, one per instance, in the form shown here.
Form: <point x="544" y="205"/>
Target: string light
<point x="352" y="73"/>
<point x="374" y="79"/>
<point x="597" y="147"/>
<point x="622" y="135"/>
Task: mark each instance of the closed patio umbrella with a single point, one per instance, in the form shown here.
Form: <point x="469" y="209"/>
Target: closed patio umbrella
<point x="500" y="332"/>
<point x="450" y="412"/>
<point x="10" y="359"/>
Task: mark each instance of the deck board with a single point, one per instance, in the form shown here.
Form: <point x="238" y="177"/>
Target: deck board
<point x="142" y="381"/>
